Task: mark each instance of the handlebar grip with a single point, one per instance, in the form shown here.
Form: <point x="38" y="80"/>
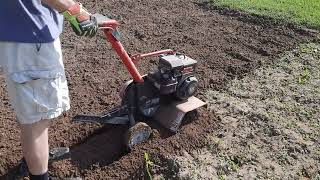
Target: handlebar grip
<point x="105" y="22"/>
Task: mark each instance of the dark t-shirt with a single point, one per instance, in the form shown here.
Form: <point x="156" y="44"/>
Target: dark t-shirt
<point x="28" y="21"/>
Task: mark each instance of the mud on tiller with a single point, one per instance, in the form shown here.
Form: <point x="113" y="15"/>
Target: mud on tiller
<point x="164" y="95"/>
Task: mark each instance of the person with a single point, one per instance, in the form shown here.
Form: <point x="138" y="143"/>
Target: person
<point x="31" y="58"/>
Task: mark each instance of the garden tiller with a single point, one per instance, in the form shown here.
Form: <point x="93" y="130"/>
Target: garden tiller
<point x="164" y="95"/>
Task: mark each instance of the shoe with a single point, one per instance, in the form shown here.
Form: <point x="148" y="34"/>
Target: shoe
<point x="54" y="154"/>
<point x="23" y="172"/>
<point x="22" y="169"/>
<point x="58" y="153"/>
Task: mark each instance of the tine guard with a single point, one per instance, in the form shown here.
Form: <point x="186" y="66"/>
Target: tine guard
<point x="171" y="116"/>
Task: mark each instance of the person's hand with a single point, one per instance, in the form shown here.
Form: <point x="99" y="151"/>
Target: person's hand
<point x="82" y="22"/>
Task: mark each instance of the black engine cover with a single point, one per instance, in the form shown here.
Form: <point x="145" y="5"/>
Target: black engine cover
<point x="172" y="71"/>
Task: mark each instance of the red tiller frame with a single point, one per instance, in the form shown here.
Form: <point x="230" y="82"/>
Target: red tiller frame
<point x="108" y="28"/>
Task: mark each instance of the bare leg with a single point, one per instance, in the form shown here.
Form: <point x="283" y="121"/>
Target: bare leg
<point x="35" y="147"/>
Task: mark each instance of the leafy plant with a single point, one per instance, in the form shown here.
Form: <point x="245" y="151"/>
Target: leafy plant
<point x="148" y="165"/>
<point x="305" y="76"/>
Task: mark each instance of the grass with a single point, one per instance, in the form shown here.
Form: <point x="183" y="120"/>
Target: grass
<point x="304" y="12"/>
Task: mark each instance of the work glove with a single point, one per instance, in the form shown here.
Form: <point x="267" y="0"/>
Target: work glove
<point x="82" y="22"/>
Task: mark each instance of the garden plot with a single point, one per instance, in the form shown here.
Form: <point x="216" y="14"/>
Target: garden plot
<point x="269" y="124"/>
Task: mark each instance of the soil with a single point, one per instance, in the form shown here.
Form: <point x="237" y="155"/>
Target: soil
<point x="269" y="125"/>
<point x="226" y="45"/>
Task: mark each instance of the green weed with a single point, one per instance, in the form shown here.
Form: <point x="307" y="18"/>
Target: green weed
<point x="305" y="76"/>
<point x="221" y="174"/>
<point x="233" y="163"/>
<point x="148" y="165"/>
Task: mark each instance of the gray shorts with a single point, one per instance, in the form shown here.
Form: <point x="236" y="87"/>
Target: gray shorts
<point x="35" y="78"/>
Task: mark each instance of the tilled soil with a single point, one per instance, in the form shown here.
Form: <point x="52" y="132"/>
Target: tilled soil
<point x="269" y="125"/>
<point x="227" y="44"/>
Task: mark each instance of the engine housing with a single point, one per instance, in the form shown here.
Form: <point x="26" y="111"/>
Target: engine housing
<point x="175" y="75"/>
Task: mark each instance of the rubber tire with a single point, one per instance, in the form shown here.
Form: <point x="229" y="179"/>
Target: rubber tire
<point x="131" y="138"/>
